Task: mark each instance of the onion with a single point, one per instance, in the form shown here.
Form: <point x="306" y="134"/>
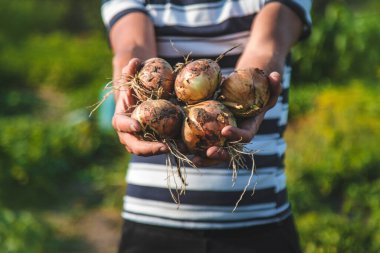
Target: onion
<point x="154" y="80"/>
<point x="203" y="125"/>
<point x="197" y="81"/>
<point x="159" y="117"/>
<point x="245" y="92"/>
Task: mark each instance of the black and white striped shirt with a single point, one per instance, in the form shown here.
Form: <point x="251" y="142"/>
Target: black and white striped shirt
<point x="207" y="28"/>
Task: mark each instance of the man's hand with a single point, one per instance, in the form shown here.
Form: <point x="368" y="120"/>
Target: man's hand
<point x="246" y="130"/>
<point x="126" y="127"/>
<point x="275" y="29"/>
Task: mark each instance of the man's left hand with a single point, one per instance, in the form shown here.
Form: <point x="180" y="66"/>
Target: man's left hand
<point x="246" y="130"/>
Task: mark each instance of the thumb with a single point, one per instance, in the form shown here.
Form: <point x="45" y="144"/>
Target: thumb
<point x="131" y="68"/>
<point x="275" y="83"/>
<point x="125" y="98"/>
<point x="274" y="88"/>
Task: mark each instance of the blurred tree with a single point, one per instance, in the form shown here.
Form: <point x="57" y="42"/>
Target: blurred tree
<point x="343" y="45"/>
<point x="82" y="16"/>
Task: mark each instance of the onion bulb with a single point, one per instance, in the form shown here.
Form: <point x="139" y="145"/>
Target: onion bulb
<point x="245" y="92"/>
<point x="197" y="81"/>
<point x="154" y="80"/>
<point x="159" y="117"/>
<point x="203" y="125"/>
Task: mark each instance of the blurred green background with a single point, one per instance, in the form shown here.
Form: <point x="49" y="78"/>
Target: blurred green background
<point x="62" y="177"/>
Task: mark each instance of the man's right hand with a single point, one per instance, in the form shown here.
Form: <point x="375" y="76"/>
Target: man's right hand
<point x="126" y="127"/>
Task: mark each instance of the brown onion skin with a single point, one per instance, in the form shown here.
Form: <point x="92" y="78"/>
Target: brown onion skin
<point x="155" y="73"/>
<point x="160" y="117"/>
<point x="203" y="125"/>
<point x="197" y="81"/>
<point x="245" y="92"/>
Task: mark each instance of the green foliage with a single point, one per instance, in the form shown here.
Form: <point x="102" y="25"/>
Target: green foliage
<point x="23" y="232"/>
<point x="17" y="102"/>
<point x="22" y="18"/>
<point x="330" y="232"/>
<point x="79" y="62"/>
<point x="54" y="61"/>
<point x="333" y="170"/>
<point x="45" y="157"/>
<point x="344" y="44"/>
<point x="302" y="99"/>
<point x="58" y="60"/>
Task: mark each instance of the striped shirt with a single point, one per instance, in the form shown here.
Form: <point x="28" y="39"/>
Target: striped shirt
<point x="207" y="28"/>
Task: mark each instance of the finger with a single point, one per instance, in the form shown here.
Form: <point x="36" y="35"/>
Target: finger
<point x="123" y="123"/>
<point x="275" y="83"/>
<point x="142" y="148"/>
<point x="217" y="153"/>
<point x="122" y="88"/>
<point x="239" y="134"/>
<point x="275" y="89"/>
<point x="275" y="78"/>
<point x="125" y="101"/>
<point x="132" y="67"/>
<point x="123" y="73"/>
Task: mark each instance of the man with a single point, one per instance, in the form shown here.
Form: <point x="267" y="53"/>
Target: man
<point x="204" y="222"/>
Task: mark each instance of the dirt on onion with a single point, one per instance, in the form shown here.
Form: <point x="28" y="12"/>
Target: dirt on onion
<point x="245" y="92"/>
<point x="154" y="80"/>
<point x="203" y="125"/>
<point x="160" y="118"/>
<point x="197" y="81"/>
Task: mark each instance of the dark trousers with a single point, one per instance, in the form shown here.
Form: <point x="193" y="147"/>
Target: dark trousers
<point x="280" y="237"/>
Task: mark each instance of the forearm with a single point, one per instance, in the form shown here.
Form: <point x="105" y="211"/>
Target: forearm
<point x="131" y="37"/>
<point x="275" y="29"/>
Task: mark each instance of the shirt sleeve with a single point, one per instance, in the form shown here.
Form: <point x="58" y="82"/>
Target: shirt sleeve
<point x="113" y="10"/>
<point x="303" y="9"/>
